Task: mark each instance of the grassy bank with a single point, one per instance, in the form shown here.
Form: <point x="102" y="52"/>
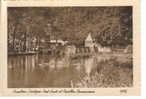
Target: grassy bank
<point x="111" y="70"/>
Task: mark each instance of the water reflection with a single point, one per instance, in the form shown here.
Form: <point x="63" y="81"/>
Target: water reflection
<point x="41" y="71"/>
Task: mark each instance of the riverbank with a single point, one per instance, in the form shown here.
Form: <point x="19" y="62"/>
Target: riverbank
<point x="22" y="53"/>
<point x="111" y="70"/>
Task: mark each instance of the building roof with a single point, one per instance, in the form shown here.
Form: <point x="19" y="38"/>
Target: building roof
<point x="89" y="38"/>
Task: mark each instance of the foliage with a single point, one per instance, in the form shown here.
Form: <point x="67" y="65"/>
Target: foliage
<point x="110" y="26"/>
<point x="110" y="73"/>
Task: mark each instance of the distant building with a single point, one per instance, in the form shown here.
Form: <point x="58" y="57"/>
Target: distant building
<point x="60" y="42"/>
<point x="89" y="41"/>
<point x="70" y="50"/>
<point x="104" y="49"/>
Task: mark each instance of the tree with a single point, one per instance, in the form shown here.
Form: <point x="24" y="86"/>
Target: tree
<point x="109" y="25"/>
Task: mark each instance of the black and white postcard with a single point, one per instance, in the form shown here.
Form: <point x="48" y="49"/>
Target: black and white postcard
<point x="70" y="47"/>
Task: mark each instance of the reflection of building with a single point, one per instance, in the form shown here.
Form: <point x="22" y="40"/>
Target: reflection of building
<point x="89" y="64"/>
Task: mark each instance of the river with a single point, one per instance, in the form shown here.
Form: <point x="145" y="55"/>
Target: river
<point x="46" y="71"/>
